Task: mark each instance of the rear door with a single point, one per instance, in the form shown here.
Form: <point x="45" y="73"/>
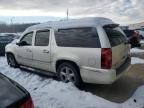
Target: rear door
<point x="119" y="45"/>
<point x="41" y="50"/>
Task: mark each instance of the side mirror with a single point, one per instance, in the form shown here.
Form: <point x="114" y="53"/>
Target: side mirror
<point x="22" y="43"/>
<point x="17" y="43"/>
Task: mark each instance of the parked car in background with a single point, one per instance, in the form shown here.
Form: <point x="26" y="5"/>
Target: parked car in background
<point x="141" y="32"/>
<point x="13" y="95"/>
<point x="133" y="37"/>
<point x="4" y="40"/>
<point x="92" y="50"/>
<point x="15" y="35"/>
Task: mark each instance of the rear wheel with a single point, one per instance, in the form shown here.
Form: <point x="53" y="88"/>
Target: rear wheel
<point x="12" y="61"/>
<point x="67" y="72"/>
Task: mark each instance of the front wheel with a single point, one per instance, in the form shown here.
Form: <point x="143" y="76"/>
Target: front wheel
<point x="67" y="72"/>
<point x="12" y="61"/>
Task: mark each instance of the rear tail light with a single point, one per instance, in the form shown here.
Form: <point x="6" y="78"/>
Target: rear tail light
<point x="106" y="58"/>
<point x="28" y="104"/>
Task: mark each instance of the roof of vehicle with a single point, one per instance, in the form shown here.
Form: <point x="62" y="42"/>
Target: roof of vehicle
<point x="83" y="22"/>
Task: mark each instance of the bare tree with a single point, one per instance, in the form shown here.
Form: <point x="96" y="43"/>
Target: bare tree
<point x="8" y="28"/>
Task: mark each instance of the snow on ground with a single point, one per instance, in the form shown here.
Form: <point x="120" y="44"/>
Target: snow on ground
<point x="48" y="93"/>
<point x="136" y="60"/>
<point x="142" y="41"/>
<point x="136" y="50"/>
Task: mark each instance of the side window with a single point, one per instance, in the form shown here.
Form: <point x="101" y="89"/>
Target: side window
<point x="28" y="38"/>
<point x="42" y="38"/>
<point x="86" y="37"/>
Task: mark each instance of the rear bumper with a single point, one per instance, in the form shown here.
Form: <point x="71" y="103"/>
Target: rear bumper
<point x="104" y="76"/>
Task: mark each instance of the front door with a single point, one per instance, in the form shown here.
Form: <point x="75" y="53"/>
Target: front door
<point x="24" y="52"/>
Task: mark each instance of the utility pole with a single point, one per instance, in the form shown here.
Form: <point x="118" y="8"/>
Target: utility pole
<point x="67" y="14"/>
<point x="13" y="28"/>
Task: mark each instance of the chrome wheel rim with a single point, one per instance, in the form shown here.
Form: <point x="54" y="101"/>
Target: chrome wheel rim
<point x="67" y="75"/>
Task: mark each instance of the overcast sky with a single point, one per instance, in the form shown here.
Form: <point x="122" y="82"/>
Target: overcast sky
<point x="121" y="11"/>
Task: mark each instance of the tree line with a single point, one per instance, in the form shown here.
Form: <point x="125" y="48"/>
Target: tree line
<point x="14" y="28"/>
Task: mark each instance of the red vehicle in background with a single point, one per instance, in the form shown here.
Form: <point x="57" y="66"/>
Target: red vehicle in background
<point x="133" y="38"/>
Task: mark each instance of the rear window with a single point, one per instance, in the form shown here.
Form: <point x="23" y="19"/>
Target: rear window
<point x="115" y="36"/>
<point x="86" y="37"/>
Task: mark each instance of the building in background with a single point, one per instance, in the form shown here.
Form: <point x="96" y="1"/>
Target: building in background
<point x="136" y="26"/>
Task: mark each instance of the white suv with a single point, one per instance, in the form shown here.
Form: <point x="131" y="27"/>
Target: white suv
<point x="92" y="50"/>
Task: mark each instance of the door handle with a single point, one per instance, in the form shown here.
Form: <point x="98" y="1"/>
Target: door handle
<point x="45" y="51"/>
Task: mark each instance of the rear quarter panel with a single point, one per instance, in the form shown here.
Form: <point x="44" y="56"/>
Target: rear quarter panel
<point x="83" y="57"/>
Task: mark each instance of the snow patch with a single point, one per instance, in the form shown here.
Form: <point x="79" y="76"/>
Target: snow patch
<point x="48" y="93"/>
<point x="142" y="41"/>
<point x="136" y="60"/>
<point x="136" y="50"/>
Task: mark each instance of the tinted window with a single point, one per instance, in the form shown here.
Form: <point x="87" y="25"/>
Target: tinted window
<point x="129" y="33"/>
<point x="115" y="36"/>
<point x="42" y="38"/>
<point x="28" y="38"/>
<point x="78" y="37"/>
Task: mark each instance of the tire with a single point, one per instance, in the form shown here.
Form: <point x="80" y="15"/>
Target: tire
<point x="68" y="72"/>
<point x="12" y="61"/>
